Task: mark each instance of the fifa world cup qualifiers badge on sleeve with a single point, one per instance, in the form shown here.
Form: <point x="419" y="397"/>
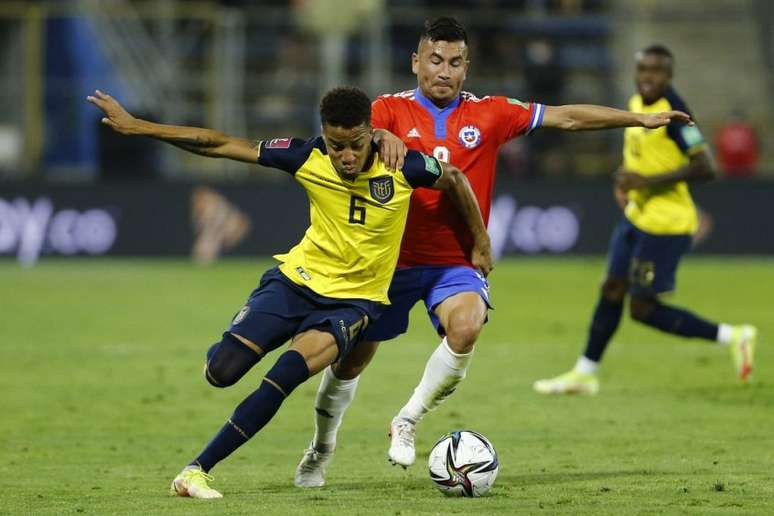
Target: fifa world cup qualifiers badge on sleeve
<point x="278" y="143"/>
<point x="431" y="165"/>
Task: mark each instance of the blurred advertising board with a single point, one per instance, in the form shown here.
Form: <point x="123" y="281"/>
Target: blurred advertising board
<point x="205" y="221"/>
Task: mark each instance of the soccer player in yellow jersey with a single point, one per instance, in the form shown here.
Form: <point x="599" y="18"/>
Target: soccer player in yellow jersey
<point x="330" y="286"/>
<point x="647" y="245"/>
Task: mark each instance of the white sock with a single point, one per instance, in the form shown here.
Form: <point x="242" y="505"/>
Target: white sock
<point x="725" y="334"/>
<point x="586" y="365"/>
<point x="444" y="370"/>
<point x="334" y="396"/>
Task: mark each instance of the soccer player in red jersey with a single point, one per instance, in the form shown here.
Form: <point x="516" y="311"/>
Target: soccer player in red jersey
<point x="435" y="263"/>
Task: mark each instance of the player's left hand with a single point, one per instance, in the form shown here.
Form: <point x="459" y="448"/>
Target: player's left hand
<point x="116" y="117"/>
<point x="391" y="149"/>
<point x="481" y="257"/>
<point x="626" y="180"/>
<point x="656" y="120"/>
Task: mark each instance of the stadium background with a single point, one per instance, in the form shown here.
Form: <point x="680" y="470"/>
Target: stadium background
<point x="99" y="348"/>
<point x="258" y="68"/>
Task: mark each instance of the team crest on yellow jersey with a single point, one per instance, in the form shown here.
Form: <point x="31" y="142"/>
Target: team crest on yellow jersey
<point x="382" y="188"/>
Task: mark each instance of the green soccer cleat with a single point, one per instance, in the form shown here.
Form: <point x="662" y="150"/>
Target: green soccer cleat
<point x="192" y="481"/>
<point x="743" y="350"/>
<point x="568" y="383"/>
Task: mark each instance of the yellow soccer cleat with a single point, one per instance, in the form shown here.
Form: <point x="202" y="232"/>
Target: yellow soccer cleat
<point x="192" y="481"/>
<point x="568" y="383"/>
<point x="743" y="350"/>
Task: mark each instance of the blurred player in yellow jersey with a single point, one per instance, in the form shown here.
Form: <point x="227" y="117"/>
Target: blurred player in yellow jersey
<point x="659" y="221"/>
<point x="330" y="286"/>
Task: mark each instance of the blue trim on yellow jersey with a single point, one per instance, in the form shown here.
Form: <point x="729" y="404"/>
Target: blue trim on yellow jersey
<point x="439" y="114"/>
<point x="291" y="157"/>
<point x="420" y="169"/>
<point x="675" y="129"/>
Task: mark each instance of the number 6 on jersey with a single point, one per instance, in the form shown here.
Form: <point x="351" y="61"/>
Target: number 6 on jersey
<point x="357" y="214"/>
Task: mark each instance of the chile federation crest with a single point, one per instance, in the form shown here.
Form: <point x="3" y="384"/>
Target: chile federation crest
<point x="470" y="136"/>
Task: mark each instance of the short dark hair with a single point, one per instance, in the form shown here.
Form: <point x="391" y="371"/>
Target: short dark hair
<point x="346" y="107"/>
<point x="444" y="28"/>
<point x="657" y="50"/>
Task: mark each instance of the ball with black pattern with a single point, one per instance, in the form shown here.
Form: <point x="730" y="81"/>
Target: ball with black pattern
<point x="463" y="463"/>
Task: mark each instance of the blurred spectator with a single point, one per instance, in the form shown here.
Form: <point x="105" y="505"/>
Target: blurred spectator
<point x="736" y="143"/>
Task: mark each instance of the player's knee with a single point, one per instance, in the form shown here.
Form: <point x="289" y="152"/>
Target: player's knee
<point x="354" y="363"/>
<point x="227" y="361"/>
<point x="461" y="335"/>
<point x="614" y="289"/>
<point x="218" y="374"/>
<point x="640" y="308"/>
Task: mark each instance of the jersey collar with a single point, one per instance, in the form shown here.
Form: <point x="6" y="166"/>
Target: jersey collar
<point x="439" y="114"/>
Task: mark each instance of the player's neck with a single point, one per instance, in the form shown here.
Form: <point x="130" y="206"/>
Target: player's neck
<point x="655" y="98"/>
<point x="432" y="103"/>
<point x="366" y="167"/>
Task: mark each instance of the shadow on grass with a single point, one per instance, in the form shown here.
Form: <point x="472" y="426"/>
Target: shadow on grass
<point x="757" y="394"/>
<point x="563" y="478"/>
<point x="382" y="487"/>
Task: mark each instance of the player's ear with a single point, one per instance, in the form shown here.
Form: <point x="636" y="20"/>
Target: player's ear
<point x="414" y="63"/>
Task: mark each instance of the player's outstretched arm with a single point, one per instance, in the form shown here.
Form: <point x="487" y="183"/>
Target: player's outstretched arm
<point x="205" y="142"/>
<point x="585" y="117"/>
<point x="454" y="184"/>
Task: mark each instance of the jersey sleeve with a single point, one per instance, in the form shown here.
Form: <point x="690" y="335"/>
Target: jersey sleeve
<point x="420" y="169"/>
<point x="687" y="137"/>
<point x="286" y="154"/>
<point x="516" y="118"/>
<point x="381" y="114"/>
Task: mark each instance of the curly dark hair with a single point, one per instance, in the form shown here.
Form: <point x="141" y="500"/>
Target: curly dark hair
<point x="346" y="107"/>
<point x="444" y="28"/>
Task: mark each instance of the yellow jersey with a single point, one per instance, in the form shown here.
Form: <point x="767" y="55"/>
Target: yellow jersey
<point x="665" y="209"/>
<point x="351" y="247"/>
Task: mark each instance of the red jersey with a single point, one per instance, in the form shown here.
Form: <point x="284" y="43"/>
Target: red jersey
<point x="467" y="133"/>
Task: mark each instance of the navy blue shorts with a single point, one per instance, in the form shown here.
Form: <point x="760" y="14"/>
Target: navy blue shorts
<point x="648" y="261"/>
<point x="432" y="284"/>
<point x="278" y="309"/>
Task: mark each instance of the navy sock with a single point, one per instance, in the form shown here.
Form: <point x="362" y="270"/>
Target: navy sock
<point x="605" y="321"/>
<point x="681" y="322"/>
<point x="257" y="409"/>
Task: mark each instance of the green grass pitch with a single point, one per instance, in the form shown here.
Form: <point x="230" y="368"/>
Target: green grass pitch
<point x="103" y="400"/>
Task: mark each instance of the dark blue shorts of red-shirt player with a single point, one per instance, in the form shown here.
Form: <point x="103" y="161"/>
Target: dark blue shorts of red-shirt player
<point x="433" y="284"/>
<point x="648" y="261"/>
<point x="278" y="309"/>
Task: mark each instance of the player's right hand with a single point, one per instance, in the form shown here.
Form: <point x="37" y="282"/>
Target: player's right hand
<point x="117" y="118"/>
<point x="391" y="149"/>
